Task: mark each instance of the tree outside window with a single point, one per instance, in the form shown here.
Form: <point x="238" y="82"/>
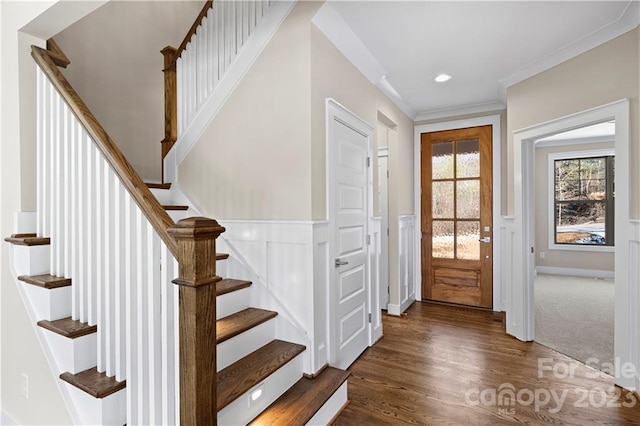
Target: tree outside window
<point x="584" y="201"/>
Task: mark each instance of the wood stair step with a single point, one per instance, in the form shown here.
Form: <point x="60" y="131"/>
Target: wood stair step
<point x="303" y="400"/>
<point x="175" y="207"/>
<point x="231" y="326"/>
<point x="68" y="327"/>
<point x="153" y="185"/>
<point x="247" y="372"/>
<point x="46" y="281"/>
<point x="222" y="256"/>
<point x="28" y="240"/>
<point x="94" y="383"/>
<point x="229" y="285"/>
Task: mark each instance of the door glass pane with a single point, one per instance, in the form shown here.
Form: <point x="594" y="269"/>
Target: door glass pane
<point x="442" y="160"/>
<point x="442" y="200"/>
<point x="468" y="158"/>
<point x="467" y="240"/>
<point x="442" y="239"/>
<point x="468" y="199"/>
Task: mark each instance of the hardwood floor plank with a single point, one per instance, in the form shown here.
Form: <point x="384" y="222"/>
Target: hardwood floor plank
<point x="446" y="365"/>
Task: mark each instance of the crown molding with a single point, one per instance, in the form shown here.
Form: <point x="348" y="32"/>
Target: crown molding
<point x="458" y="111"/>
<point x="628" y="20"/>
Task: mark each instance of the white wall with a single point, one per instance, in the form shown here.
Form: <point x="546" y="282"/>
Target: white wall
<point x="116" y="67"/>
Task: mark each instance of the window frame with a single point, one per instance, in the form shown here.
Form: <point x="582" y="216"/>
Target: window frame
<point x="573" y="155"/>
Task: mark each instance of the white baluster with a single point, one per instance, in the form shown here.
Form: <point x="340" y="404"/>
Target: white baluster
<point x="41" y="132"/>
<point x="211" y="47"/>
<point x="108" y="285"/>
<point x="201" y="59"/>
<point x="80" y="278"/>
<point x="132" y="262"/>
<point x="55" y="187"/>
<point x="142" y="347"/>
<point x="119" y="281"/>
<point x="168" y="374"/>
<point x="100" y="241"/>
<point x="47" y="160"/>
<point x="66" y="165"/>
<point x="91" y="236"/>
<point x="180" y="94"/>
<point x="154" y="326"/>
<point x="74" y="181"/>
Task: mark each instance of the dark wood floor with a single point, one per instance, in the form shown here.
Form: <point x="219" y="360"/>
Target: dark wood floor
<point x="428" y="360"/>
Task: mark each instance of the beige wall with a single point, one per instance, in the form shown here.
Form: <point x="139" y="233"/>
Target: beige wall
<point x="116" y="67"/>
<point x="333" y="76"/>
<point x="602" y="75"/>
<point x="253" y="160"/>
<point x="561" y="258"/>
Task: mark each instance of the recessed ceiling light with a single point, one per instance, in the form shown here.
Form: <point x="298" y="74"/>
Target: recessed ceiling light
<point x="441" y="78"/>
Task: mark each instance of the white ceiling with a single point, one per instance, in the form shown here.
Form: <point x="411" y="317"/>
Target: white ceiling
<point x="486" y="46"/>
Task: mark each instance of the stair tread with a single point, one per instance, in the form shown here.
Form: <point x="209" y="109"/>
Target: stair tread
<point x="153" y="185"/>
<point x="232" y="325"/>
<point x="175" y="207"/>
<point x="68" y="327"/>
<point x="239" y="377"/>
<point x="222" y="256"/>
<point x="229" y="285"/>
<point x="94" y="383"/>
<point x="303" y="400"/>
<point x="28" y="240"/>
<point x="46" y="281"/>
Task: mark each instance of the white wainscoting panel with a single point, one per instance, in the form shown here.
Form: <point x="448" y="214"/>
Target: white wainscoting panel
<point x="507" y="236"/>
<point x="287" y="262"/>
<point x="406" y="264"/>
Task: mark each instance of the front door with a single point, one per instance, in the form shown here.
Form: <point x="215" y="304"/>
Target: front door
<point x="456" y="206"/>
<point x="349" y="209"/>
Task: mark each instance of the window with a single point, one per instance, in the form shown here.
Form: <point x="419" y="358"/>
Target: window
<point x="583" y="199"/>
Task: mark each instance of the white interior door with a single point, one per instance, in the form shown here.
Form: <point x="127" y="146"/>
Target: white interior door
<point x="383" y="197"/>
<point x="348" y="214"/>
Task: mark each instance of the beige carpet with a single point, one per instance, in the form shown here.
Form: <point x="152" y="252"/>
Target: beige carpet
<point x="574" y="316"/>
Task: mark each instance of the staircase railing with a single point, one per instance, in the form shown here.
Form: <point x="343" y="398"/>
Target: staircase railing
<point x="194" y="70"/>
<point x="122" y="250"/>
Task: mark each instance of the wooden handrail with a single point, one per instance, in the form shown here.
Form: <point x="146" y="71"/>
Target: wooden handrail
<point x="147" y="202"/>
<point x="205" y="9"/>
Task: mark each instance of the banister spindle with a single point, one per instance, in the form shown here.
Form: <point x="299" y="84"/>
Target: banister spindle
<point x="196" y="240"/>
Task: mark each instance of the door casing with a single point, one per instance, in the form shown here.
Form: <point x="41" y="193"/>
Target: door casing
<point x="499" y="292"/>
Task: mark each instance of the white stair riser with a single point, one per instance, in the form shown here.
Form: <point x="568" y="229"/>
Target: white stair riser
<point x="49" y="304"/>
<point x="221" y="268"/>
<point x="243" y="344"/>
<point x="72" y="355"/>
<point x="31" y="260"/>
<point x="331" y="408"/>
<point x="177" y="215"/>
<point x="162" y="195"/>
<point x="231" y="303"/>
<point x="242" y="410"/>
<point x="111" y="410"/>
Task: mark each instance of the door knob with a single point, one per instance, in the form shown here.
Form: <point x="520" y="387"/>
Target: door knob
<point x="485" y="240"/>
<point x="340" y="262"/>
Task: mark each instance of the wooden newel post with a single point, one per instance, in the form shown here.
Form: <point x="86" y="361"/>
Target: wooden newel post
<point x="196" y="239"/>
<point x="170" y="101"/>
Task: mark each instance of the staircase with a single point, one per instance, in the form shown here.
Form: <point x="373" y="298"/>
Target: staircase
<point x="259" y="377"/>
<point x="95" y="266"/>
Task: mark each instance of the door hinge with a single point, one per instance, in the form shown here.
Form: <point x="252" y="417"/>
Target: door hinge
<point x="387" y="232"/>
<point x="368" y="161"/>
<point x="532" y="250"/>
<point x="368" y="239"/>
<point x="387" y="174"/>
<point x="369" y="317"/>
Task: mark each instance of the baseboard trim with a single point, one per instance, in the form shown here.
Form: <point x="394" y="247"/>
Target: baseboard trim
<point x="596" y="273"/>
<point x="498" y="316"/>
<point x="334" y="418"/>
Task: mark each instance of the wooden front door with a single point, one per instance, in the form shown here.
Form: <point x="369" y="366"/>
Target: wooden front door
<point x="457" y="233"/>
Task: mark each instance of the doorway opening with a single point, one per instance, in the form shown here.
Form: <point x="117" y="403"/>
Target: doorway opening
<point x="574" y="243"/>
<point x="521" y="258"/>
